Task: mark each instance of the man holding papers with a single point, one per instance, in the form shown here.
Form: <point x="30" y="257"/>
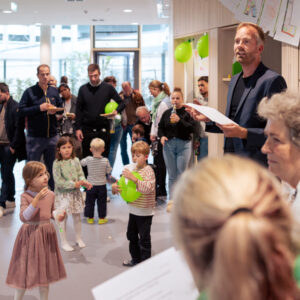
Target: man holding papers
<point x="245" y="136"/>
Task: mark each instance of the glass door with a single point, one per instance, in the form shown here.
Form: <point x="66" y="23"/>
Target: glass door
<point x="124" y="65"/>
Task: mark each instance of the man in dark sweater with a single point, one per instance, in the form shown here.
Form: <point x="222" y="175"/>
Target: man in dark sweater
<point x="91" y="101"/>
<point x="39" y="105"/>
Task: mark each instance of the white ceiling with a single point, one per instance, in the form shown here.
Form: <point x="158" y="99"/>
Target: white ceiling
<point x="81" y="12"/>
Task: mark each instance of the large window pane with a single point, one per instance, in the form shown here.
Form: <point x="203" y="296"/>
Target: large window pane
<point x="116" y="36"/>
<point x="71" y="54"/>
<point x="19" y="56"/>
<point x="155" y="62"/>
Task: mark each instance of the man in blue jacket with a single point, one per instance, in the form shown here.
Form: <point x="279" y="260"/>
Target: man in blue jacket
<point x="39" y="105"/>
<point x="12" y="146"/>
<point x="245" y="91"/>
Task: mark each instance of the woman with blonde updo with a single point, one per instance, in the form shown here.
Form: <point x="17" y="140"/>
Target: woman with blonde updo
<point x="234" y="228"/>
<point x="161" y="102"/>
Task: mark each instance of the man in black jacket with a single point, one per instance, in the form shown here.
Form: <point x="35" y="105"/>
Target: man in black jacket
<point x="12" y="146"/>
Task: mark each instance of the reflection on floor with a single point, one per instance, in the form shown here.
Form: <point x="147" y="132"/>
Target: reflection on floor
<point x="107" y="247"/>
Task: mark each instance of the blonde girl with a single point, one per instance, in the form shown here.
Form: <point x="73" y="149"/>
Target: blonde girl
<point x="68" y="177"/>
<point x="36" y="260"/>
<point x="235" y="230"/>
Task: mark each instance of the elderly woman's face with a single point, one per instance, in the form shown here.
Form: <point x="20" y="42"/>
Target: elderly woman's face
<point x="283" y="155"/>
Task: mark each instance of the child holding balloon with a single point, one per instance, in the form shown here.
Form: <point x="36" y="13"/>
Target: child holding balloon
<point x="141" y="210"/>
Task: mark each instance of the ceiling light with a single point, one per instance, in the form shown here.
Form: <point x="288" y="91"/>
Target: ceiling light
<point x="38" y="24"/>
<point x="134" y="23"/>
<point x="13" y="6"/>
<point x="127" y="10"/>
<point x="7" y="11"/>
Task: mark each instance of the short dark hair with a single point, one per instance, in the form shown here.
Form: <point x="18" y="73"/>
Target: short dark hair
<point x="139" y="129"/>
<point x="110" y="79"/>
<point x="4" y="87"/>
<point x="63" y="85"/>
<point x="64" y="79"/>
<point x="93" y="67"/>
<point x="204" y="78"/>
<point x="42" y="66"/>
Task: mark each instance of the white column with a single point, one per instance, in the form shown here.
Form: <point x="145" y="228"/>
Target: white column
<point x="45" y="45"/>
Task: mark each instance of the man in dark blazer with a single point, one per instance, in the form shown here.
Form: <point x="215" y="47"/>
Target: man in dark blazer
<point x="12" y="146"/>
<point x="245" y="91"/>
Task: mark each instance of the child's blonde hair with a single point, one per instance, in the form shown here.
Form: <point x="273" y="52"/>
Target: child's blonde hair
<point x="230" y="218"/>
<point x="31" y="170"/>
<point x="97" y="144"/>
<point x="140" y="147"/>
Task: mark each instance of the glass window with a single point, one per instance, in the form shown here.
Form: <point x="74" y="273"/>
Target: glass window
<point x="116" y="36"/>
<point x="155" y="60"/>
<point x="1" y="37"/>
<point x="19" y="57"/>
<point x="71" y="55"/>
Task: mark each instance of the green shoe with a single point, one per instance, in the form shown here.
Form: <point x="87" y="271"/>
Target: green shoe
<point x="90" y="220"/>
<point x="102" y="221"/>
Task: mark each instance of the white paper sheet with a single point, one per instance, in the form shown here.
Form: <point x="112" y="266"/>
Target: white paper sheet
<point x="249" y="10"/>
<point x="164" y="276"/>
<point x="213" y="114"/>
<point x="288" y="29"/>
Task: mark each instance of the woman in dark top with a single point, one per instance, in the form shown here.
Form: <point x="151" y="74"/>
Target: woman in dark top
<point x="175" y="129"/>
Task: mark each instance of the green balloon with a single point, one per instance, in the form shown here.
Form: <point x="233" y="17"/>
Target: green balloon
<point x="128" y="191"/>
<point x="183" y="52"/>
<point x="110" y="107"/>
<point x="297" y="270"/>
<point x="236" y="68"/>
<point x="202" y="46"/>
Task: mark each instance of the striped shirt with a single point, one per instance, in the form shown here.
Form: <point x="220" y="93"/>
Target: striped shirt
<point x="97" y="167"/>
<point x="144" y="205"/>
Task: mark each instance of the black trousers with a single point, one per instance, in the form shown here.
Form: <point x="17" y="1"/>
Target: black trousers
<point x="138" y="235"/>
<point x="160" y="171"/>
<point x="99" y="193"/>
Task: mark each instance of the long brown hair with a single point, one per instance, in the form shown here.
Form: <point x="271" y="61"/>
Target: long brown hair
<point x="162" y="86"/>
<point x="243" y="255"/>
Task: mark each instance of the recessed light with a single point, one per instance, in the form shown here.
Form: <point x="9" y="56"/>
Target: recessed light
<point x="127" y="10"/>
<point x="7" y="11"/>
<point x="13" y="6"/>
<point x="134" y="23"/>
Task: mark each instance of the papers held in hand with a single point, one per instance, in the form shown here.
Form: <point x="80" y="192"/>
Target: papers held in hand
<point x="211" y="113"/>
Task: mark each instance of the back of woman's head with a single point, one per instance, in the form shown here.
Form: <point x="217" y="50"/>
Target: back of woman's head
<point x="162" y="86"/>
<point x="31" y="170"/>
<point x="235" y="230"/>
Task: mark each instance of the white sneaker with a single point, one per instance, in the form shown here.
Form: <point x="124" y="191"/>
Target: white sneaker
<point x="10" y="204"/>
<point x="1" y="211"/>
<point x="66" y="247"/>
<point x="80" y="243"/>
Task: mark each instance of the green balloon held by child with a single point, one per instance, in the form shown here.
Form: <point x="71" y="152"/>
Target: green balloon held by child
<point x="128" y="191"/>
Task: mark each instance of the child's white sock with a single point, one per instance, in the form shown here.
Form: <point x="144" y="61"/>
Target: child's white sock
<point x="19" y="293"/>
<point x="63" y="236"/>
<point x="77" y="227"/>
<point x="44" y="292"/>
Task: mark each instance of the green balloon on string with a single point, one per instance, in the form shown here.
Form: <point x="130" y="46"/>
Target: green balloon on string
<point x="128" y="191"/>
<point x="202" y="46"/>
<point x="297" y="270"/>
<point x="183" y="52"/>
<point x="110" y="107"/>
<point x="236" y="68"/>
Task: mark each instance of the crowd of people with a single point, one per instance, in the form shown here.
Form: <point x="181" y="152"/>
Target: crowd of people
<point x="230" y="214"/>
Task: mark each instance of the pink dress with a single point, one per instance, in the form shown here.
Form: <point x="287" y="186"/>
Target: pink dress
<point x="36" y="259"/>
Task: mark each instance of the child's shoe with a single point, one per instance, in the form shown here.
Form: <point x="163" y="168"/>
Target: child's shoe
<point x="66" y="247"/>
<point x="80" y="243"/>
<point x="128" y="263"/>
<point x="102" y="221"/>
<point x="90" y="220"/>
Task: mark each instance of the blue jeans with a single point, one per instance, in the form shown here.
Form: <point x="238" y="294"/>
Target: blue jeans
<point x="125" y="158"/>
<point x="38" y="146"/>
<point x="177" y="154"/>
<point x="203" y="148"/>
<point x="115" y="139"/>
<point x="7" y="161"/>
